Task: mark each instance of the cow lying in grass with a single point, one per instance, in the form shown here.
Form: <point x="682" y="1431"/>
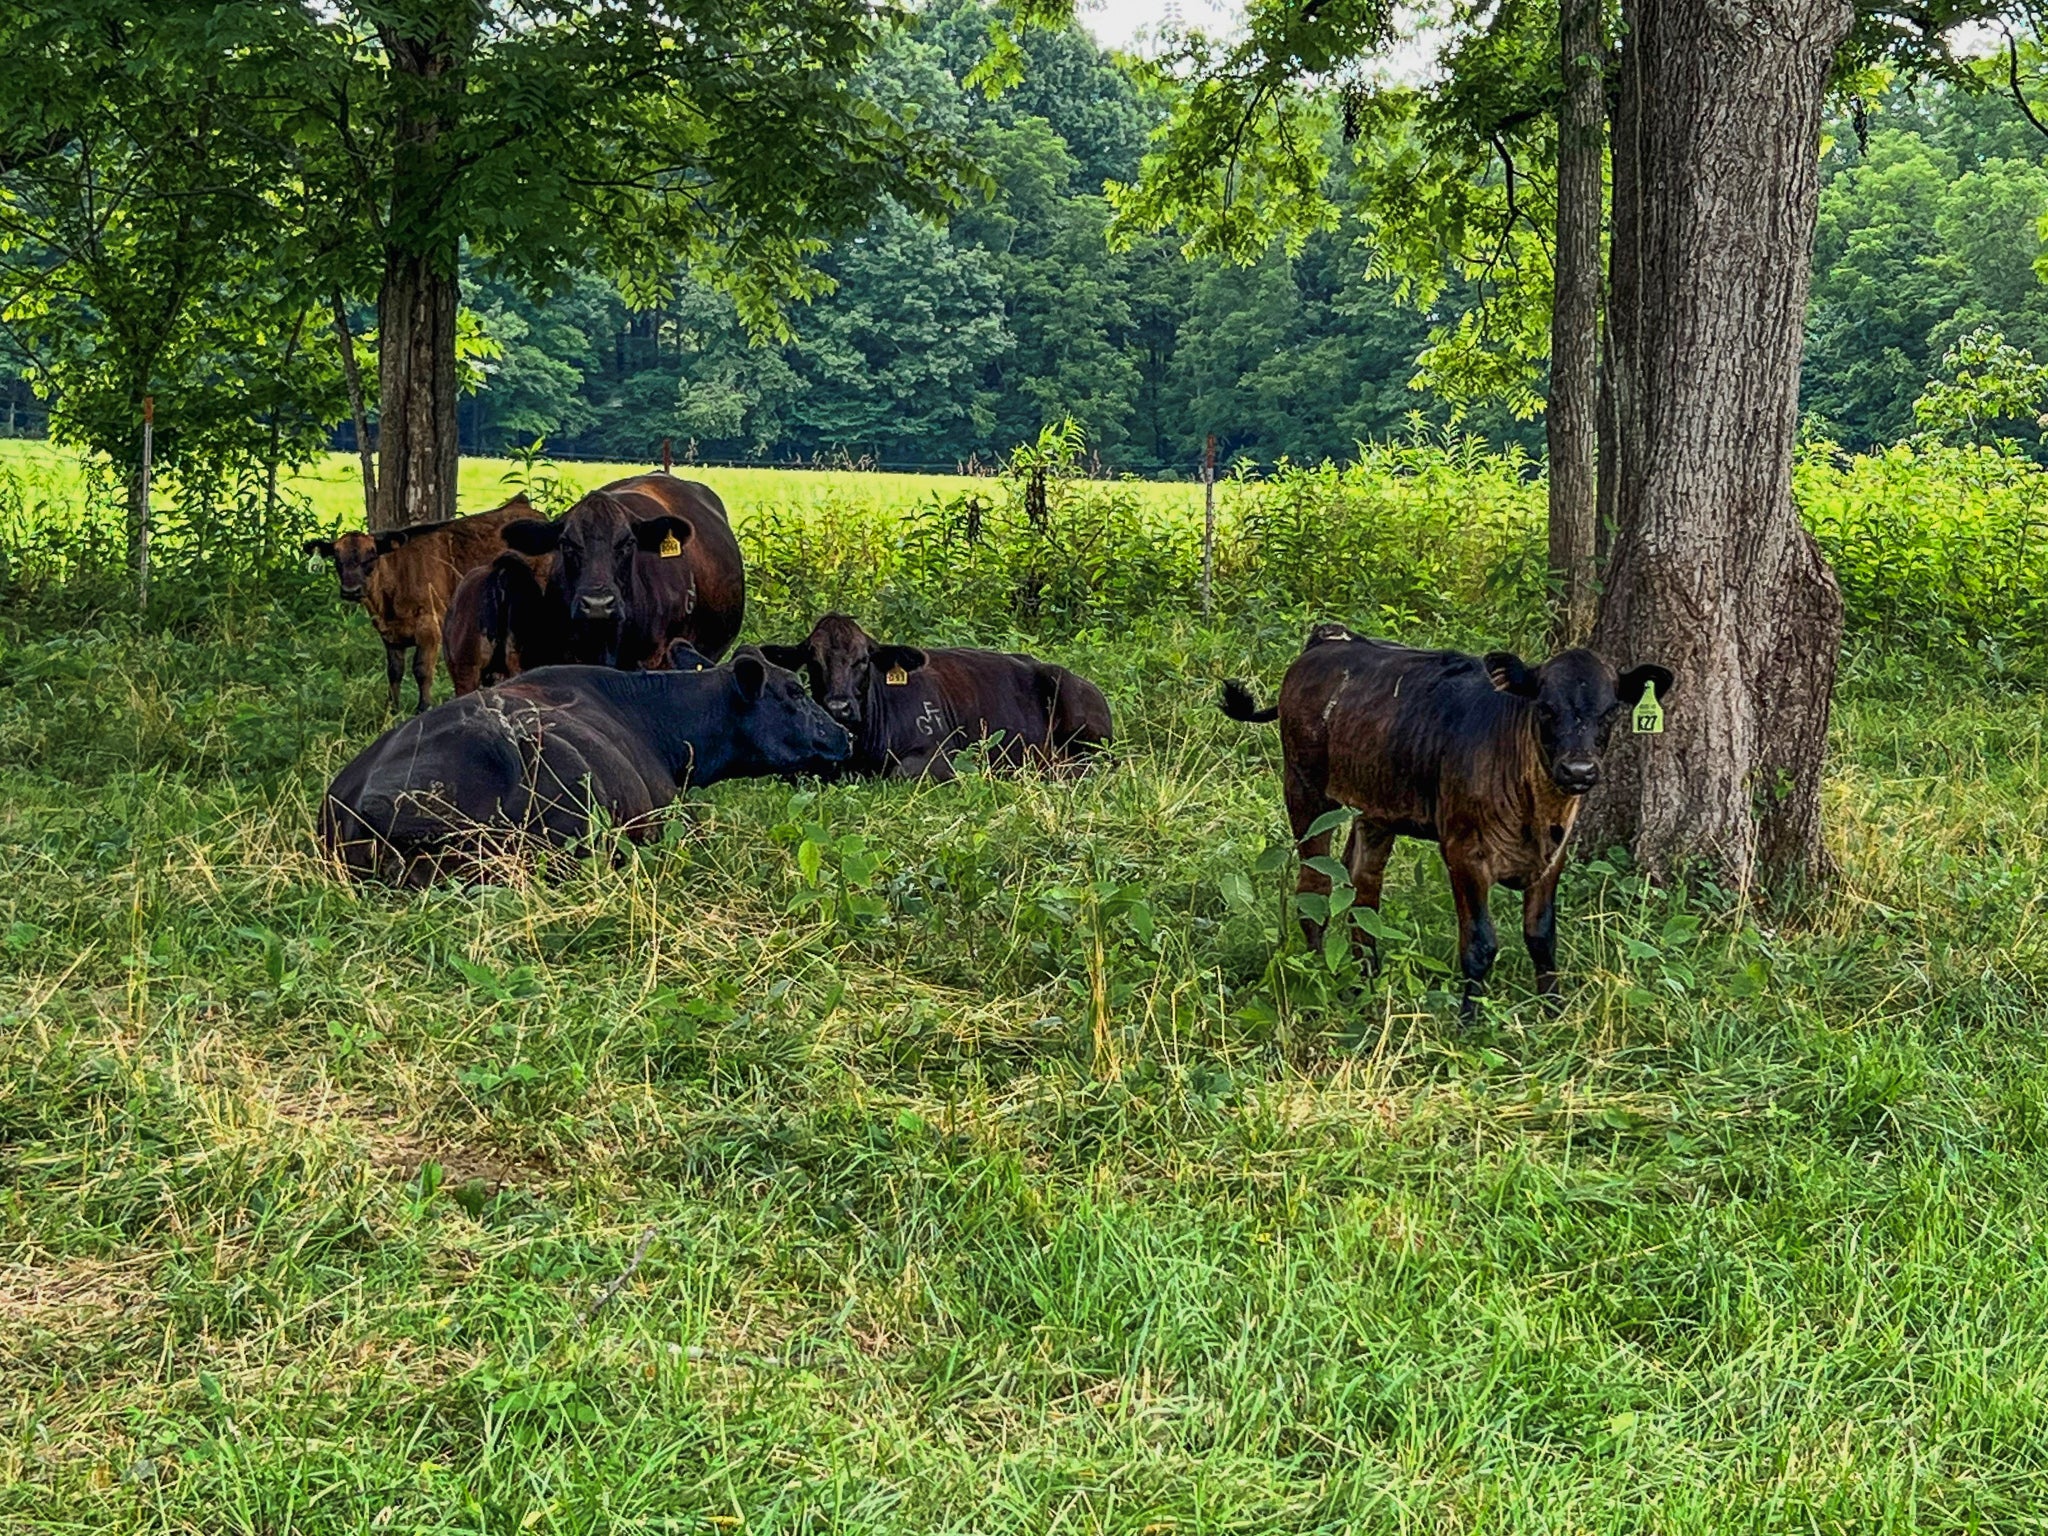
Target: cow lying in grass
<point x="530" y="763"/>
<point x="1488" y="758"/>
<point x="405" y="578"/>
<point x="910" y="709"/>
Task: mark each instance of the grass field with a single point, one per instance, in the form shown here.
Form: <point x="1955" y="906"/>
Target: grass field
<point x="333" y="484"/>
<point x="1044" y="1200"/>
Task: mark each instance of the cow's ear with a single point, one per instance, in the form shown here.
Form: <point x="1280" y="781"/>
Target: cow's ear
<point x="1635" y="679"/>
<point x="324" y="548"/>
<point x="391" y="538"/>
<point x="1511" y="674"/>
<point x="666" y="534"/>
<point x="531" y="536"/>
<point x="791" y="658"/>
<point x="751" y="673"/>
<point x="898" y="658"/>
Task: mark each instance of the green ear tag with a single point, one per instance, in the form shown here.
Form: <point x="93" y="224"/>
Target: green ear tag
<point x="1649" y="715"/>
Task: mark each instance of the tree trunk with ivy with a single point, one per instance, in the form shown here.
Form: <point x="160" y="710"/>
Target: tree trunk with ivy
<point x="418" y="448"/>
<point x="1712" y="574"/>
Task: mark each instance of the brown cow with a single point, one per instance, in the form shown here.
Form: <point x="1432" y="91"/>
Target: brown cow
<point x="911" y="709"/>
<point x="489" y="611"/>
<point x="405" y="578"/>
<point x="638" y="564"/>
<point x="1487" y="757"/>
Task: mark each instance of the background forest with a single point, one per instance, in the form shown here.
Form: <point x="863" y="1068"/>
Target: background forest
<point x="938" y="346"/>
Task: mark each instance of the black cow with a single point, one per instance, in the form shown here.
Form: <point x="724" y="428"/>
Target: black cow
<point x="1487" y="757"/>
<point x="637" y="565"/>
<point x="531" y="760"/>
<point x="910" y="708"/>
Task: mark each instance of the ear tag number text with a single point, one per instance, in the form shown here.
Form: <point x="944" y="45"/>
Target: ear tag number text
<point x="1649" y="715"/>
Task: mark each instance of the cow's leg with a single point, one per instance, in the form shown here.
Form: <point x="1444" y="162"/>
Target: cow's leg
<point x="1477" y="946"/>
<point x="423" y="661"/>
<point x="394" y="674"/>
<point x="1305" y="802"/>
<point x="1365" y="857"/>
<point x="1539" y="931"/>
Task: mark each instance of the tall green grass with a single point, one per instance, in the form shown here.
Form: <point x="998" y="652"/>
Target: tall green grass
<point x="1014" y="1171"/>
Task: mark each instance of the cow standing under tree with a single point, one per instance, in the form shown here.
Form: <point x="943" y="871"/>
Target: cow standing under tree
<point x="405" y="578"/>
<point x="1487" y="757"/>
<point x="911" y="708"/>
<point x="632" y="568"/>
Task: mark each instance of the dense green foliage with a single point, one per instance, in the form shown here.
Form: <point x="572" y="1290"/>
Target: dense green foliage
<point x="977" y="1161"/>
<point x="940" y="346"/>
<point x="935" y="348"/>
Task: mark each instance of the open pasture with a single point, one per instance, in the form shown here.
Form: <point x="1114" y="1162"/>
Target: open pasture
<point x="985" y="1156"/>
<point x="332" y="486"/>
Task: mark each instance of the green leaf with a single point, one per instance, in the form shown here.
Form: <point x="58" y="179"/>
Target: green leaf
<point x="1330" y="821"/>
<point x="1336" y="945"/>
<point x="1323" y="864"/>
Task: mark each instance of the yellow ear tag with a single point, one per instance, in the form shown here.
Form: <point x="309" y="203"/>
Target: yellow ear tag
<point x="896" y="677"/>
<point x="1649" y="715"/>
<point x="671" y="546"/>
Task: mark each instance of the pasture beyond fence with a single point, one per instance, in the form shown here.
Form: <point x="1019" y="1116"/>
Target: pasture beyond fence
<point x="1941" y="552"/>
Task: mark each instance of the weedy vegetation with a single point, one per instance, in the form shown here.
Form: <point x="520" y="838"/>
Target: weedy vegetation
<point x="990" y="1156"/>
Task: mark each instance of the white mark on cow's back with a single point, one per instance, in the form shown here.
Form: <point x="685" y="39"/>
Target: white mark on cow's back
<point x="1336" y="697"/>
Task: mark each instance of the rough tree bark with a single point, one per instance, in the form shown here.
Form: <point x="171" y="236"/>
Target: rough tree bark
<point x="1715" y="187"/>
<point x="417" y="444"/>
<point x="1571" y="416"/>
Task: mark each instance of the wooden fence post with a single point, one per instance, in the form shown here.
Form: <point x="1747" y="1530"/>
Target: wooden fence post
<point x="142" y="529"/>
<point x="1208" y="525"/>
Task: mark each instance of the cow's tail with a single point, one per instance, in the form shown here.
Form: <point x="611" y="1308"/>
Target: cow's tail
<point x="1238" y="703"/>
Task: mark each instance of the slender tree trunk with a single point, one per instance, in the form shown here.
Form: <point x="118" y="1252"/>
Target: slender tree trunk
<point x="1571" y="417"/>
<point x="352" y="375"/>
<point x="1716" y="163"/>
<point x="418" y="448"/>
<point x="1610" y="453"/>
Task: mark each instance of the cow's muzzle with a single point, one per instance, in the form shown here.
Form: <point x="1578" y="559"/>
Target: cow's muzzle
<point x="845" y="711"/>
<point x="1575" y="777"/>
<point x="598" y="605"/>
<point x="351" y="594"/>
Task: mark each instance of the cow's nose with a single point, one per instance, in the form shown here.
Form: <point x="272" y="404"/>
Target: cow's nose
<point x="351" y="594"/>
<point x="841" y="709"/>
<point x="600" y="605"/>
<point x="1577" y="776"/>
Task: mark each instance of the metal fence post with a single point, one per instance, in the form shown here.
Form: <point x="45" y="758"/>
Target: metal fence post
<point x="142" y="529"/>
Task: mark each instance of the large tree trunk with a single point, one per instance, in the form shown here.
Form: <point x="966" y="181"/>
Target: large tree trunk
<point x="1715" y="187"/>
<point x="418" y="450"/>
<point x="1571" y="417"/>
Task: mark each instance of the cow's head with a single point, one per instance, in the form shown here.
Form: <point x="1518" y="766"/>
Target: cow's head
<point x="1577" y="697"/>
<point x="784" y="730"/>
<point x="594" y="544"/>
<point x="355" y="554"/>
<point x="842" y="662"/>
